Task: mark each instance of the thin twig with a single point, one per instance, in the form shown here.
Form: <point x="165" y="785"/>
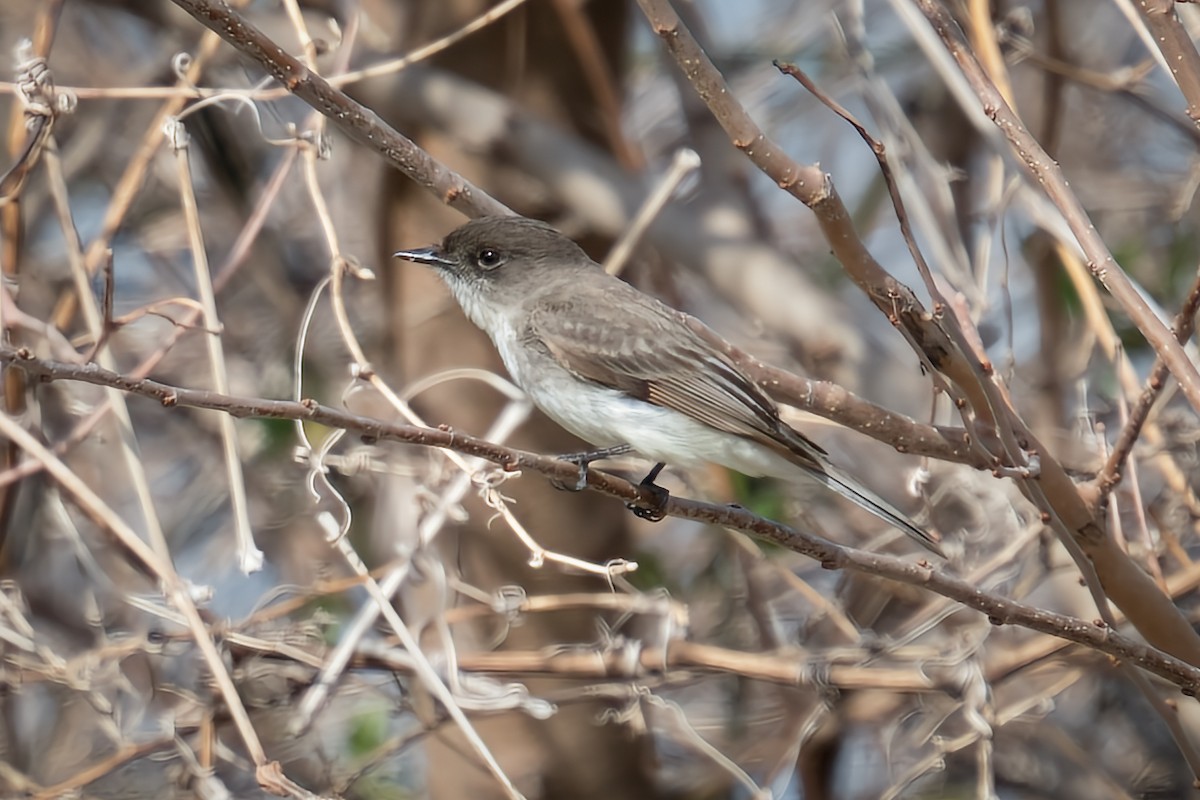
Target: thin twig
<point x="683" y="164"/>
<point x="250" y="558"/>
<point x="1183" y="328"/>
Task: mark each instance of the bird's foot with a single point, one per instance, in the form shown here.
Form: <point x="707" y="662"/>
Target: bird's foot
<point x="582" y="460"/>
<point x="653" y="510"/>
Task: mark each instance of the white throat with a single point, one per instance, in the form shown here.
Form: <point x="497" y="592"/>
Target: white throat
<point x="499" y="324"/>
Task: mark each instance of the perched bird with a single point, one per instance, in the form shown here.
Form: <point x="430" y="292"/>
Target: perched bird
<point x="620" y="369"/>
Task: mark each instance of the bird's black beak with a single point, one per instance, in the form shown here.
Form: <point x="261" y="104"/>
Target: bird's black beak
<point x="425" y="255"/>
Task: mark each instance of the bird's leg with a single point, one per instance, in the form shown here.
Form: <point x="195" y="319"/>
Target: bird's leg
<point x="657" y="511"/>
<point x="582" y="460"/>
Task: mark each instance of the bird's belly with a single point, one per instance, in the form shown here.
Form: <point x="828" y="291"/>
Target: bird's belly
<point x="605" y="417"/>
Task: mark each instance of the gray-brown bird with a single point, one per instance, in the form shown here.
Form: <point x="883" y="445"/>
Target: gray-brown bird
<point x="616" y="367"/>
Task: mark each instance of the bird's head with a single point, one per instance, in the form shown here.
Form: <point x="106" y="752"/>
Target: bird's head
<point x="501" y="259"/>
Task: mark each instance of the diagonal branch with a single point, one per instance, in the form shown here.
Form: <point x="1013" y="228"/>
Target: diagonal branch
<point x="352" y="118"/>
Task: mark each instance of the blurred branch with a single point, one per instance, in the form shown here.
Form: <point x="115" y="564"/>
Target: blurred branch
<point x="1127" y="83"/>
<point x="127" y="754"/>
<point x="27" y="136"/>
<point x="600" y="79"/>
<point x="133" y="177"/>
<point x="84" y="299"/>
<point x="624" y="660"/>
<point x="787" y="666"/>
<point x="350" y="117"/>
<point x="999" y="610"/>
<point x="173" y="589"/>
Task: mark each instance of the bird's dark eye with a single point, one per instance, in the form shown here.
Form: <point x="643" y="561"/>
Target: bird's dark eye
<point x="489" y="258"/>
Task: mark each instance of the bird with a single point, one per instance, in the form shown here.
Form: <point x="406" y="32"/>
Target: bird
<point x="620" y="369"/>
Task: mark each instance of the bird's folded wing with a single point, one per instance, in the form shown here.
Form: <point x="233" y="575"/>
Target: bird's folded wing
<point x="657" y="359"/>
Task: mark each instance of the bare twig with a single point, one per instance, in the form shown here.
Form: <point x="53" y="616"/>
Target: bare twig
<point x="1183" y="327"/>
<point x="250" y="558"/>
<point x="682" y="165"/>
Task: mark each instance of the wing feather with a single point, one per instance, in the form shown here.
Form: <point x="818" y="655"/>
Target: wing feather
<point x="663" y="362"/>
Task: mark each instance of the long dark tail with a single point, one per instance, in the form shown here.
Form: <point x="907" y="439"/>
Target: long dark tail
<point x="864" y="498"/>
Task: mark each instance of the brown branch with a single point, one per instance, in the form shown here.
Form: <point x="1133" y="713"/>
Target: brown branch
<point x="788" y="667"/>
<point x="598" y="74"/>
<point x="630" y="661"/>
<point x="1178" y="50"/>
<point x="836" y="403"/>
<point x="985" y="397"/>
<point x="350" y="117"/>
<point x="999" y="610"/>
<point x="1045" y="172"/>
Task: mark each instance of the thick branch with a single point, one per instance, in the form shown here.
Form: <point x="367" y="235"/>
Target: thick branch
<point x="1177" y="47"/>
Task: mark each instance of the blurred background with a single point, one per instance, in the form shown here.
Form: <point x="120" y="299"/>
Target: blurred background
<point x="721" y="667"/>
